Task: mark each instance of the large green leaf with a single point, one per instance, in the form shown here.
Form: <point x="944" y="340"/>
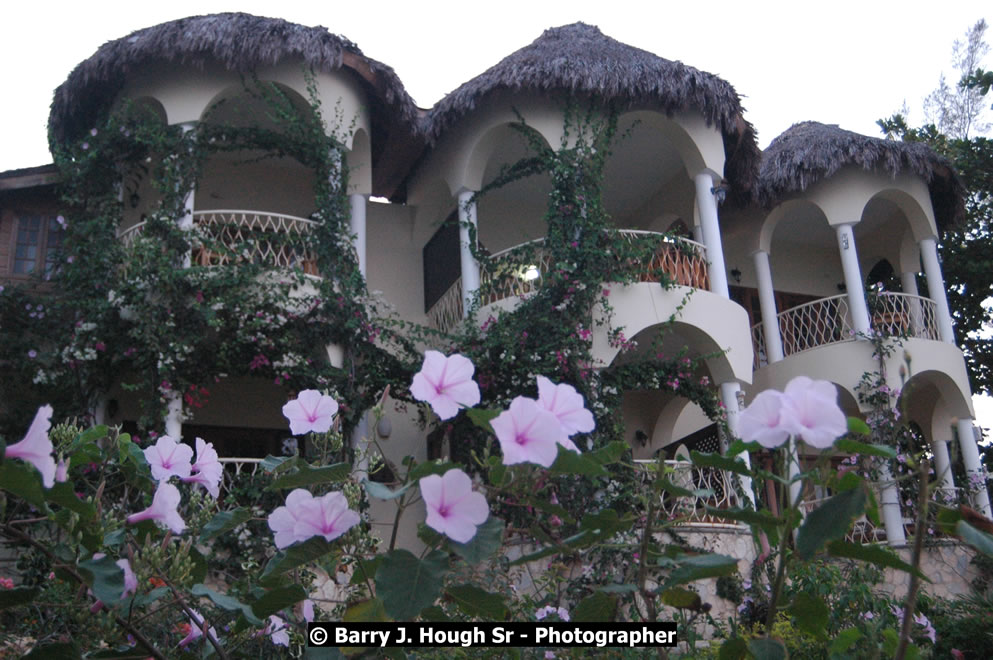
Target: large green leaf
<point x="295" y="555"/>
<point x="598" y="606"/>
<point x="379" y="491"/>
<point x="979" y="540"/>
<point x="309" y="476"/>
<point x="689" y="569"/>
<point x="810" y="612"/>
<point x="720" y="462"/>
<point x="680" y="598"/>
<point x="482" y="417"/>
<point x="765" y="648"/>
<point x="857" y="426"/>
<point x="223" y="522"/>
<point x="569" y="462"/>
<point x="829" y="522"/>
<point x="278" y="463"/>
<point x="277" y="599"/>
<point x="56" y="651"/>
<point x="850" y="446"/>
<point x="845" y="639"/>
<point x="18" y="596"/>
<point x="23" y="480"/>
<point x="735" y="648"/>
<point x="407" y="585"/>
<point x="226" y="602"/>
<point x="105" y="578"/>
<point x="873" y="554"/>
<point x="476" y="602"/>
<point x="488" y="539"/>
<point x="427" y="468"/>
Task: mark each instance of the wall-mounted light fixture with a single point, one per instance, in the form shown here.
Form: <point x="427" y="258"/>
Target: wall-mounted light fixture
<point x="736" y="275"/>
<point x="720" y="192"/>
<point x="842" y="287"/>
<point x="641" y="437"/>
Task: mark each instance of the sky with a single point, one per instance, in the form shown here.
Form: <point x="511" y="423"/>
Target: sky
<point x="844" y="62"/>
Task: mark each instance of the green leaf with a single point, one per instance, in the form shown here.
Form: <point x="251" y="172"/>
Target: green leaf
<point x="277" y="599"/>
<point x="476" y="602"/>
<point x="428" y="468"/>
<point x="366" y="569"/>
<point x="689" y="569"/>
<point x="810" y="612"/>
<point x="855" y="447"/>
<point x="295" y="555"/>
<point x="569" y="462"/>
<point x="309" y="476"/>
<point x="598" y="606"/>
<point x="57" y="651"/>
<point x="979" y="540"/>
<point x="277" y="463"/>
<point x="609" y="454"/>
<point x="18" y="596"/>
<point x="664" y="485"/>
<point x="721" y="462"/>
<point x="739" y="446"/>
<point x="147" y="599"/>
<point x="379" y="491"/>
<point x="765" y="648"/>
<point x="198" y="572"/>
<point x="105" y="578"/>
<point x="735" y="648"/>
<point x="857" y="426"/>
<point x="23" y="480"/>
<point x="683" y="599"/>
<point x="115" y="538"/>
<point x="64" y="495"/>
<point x="845" y="640"/>
<point x="482" y="417"/>
<point x="604" y="524"/>
<point x="226" y="602"/>
<point x="407" y="584"/>
<point x="488" y="539"/>
<point x="873" y="554"/>
<point x="761" y="519"/>
<point x="829" y="522"/>
<point x="947" y="518"/>
<point x="223" y="522"/>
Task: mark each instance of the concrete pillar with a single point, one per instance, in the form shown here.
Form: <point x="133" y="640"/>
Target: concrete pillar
<point x="186" y="222"/>
<point x="174" y="416"/>
<point x="889" y="502"/>
<point x="357" y="226"/>
<point x="936" y="287"/>
<point x="908" y="282"/>
<point x="974" y="471"/>
<point x="943" y="468"/>
<point x="731" y="398"/>
<point x="470" y="267"/>
<point x="853" y="279"/>
<point x="707" y="207"/>
<point x="767" y="303"/>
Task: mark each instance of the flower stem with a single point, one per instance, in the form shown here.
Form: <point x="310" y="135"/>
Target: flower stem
<point x="915" y="582"/>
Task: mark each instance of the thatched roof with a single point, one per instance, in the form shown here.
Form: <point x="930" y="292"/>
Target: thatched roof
<point x="810" y="151"/>
<point x="240" y="42"/>
<point x="580" y="59"/>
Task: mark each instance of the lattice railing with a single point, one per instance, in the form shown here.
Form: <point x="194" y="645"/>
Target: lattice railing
<point x="235" y="467"/>
<point x="447" y="312"/>
<point x="685" y="261"/>
<point x="128" y="236"/>
<point x="818" y="323"/>
<point x="719" y="484"/>
<point x="897" y="314"/>
<point x="759" y="351"/>
<point x="506" y="277"/>
<point x="272" y="239"/>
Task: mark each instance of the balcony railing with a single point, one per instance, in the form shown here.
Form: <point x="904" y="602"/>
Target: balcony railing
<point x="719" y="484"/>
<point x="226" y="236"/>
<point x="505" y="276"/>
<point x="828" y="321"/>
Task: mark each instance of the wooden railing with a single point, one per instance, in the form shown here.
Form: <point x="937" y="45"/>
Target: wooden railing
<point x="505" y="276"/>
<point x="827" y="321"/>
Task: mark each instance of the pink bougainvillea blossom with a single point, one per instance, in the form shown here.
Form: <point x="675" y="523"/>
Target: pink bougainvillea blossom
<point x="36" y="448"/>
<point x="454" y="509"/>
<point x="814" y="412"/>
<point x="567" y="405"/>
<point x="305" y="516"/>
<point x="207" y="471"/>
<point x="169" y="458"/>
<point x="528" y="433"/>
<point x="446" y="383"/>
<point x="163" y="510"/>
<point x="310" y="411"/>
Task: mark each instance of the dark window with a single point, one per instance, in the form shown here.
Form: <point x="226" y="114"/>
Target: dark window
<point x="36" y="244"/>
<point x="442" y="265"/>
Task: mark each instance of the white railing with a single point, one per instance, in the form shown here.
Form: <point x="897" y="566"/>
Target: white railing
<point x="128" y="236"/>
<point x="234" y="467"/>
<point x="693" y="509"/>
<point x="447" y="312"/>
<point x="903" y="314"/>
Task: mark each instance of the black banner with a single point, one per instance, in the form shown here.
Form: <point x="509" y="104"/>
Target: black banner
<point x="475" y="635"/>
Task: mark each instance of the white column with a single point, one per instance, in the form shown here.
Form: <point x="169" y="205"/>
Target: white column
<point x="936" y="288"/>
<point x="360" y="441"/>
<point x="357" y="226"/>
<point x="973" y="466"/>
<point x="767" y="303"/>
<point x="186" y="222"/>
<point x="943" y="467"/>
<point x="731" y="398"/>
<point x="174" y="416"/>
<point x="908" y="282"/>
<point x="100" y="410"/>
<point x="707" y="207"/>
<point x="470" y="267"/>
<point x="853" y="279"/>
<point x="890" y="503"/>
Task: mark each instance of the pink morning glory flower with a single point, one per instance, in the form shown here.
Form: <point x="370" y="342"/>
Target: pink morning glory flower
<point x="130" y="581"/>
<point x="276" y="629"/>
<point x="207" y="471"/>
<point x="305" y="516"/>
<point x="36" y="448"/>
<point x="310" y="411"/>
<point x="568" y="406"/>
<point x="307" y="609"/>
<point x="527" y="433"/>
<point x="169" y="458"/>
<point x="163" y="510"/>
<point x="196" y="629"/>
<point x="812" y="407"/>
<point x="762" y="421"/>
<point x="454" y="509"/>
<point x="446" y="383"/>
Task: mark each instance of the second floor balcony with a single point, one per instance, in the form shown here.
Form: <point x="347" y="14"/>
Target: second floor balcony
<point x="509" y="274"/>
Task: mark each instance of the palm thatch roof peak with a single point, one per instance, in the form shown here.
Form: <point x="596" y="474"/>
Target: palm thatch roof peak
<point x="240" y="42"/>
<point x="810" y="151"/>
<point x="580" y="59"/>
